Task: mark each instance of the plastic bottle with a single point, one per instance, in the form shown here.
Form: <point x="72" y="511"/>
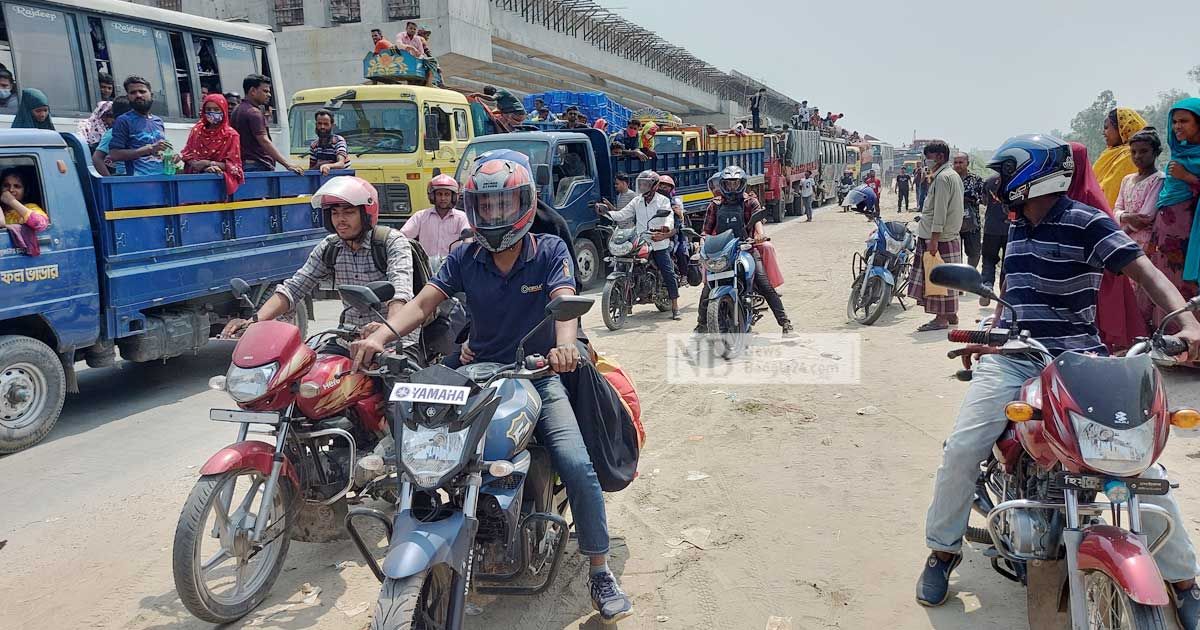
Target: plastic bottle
<point x="168" y="158"/>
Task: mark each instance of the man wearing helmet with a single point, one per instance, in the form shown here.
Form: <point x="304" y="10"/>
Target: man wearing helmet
<point x="1056" y="252"/>
<point x="731" y="209"/>
<point x="681" y="248"/>
<point x="509" y="275"/>
<point x="350" y="208"/>
<point x="644" y="210"/>
<point x="438" y="227"/>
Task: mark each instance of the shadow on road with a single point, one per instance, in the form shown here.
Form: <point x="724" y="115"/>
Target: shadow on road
<point x="126" y="389"/>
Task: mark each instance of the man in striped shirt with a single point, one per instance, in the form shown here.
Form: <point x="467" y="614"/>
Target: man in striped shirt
<point x="328" y="152"/>
<point x="1057" y="251"/>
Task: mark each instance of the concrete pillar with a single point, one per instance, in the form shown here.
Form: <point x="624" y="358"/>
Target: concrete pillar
<point x="374" y="12"/>
<point x="316" y="13"/>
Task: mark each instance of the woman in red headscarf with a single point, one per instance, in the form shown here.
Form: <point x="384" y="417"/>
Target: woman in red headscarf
<point x="1117" y="314"/>
<point x="213" y="146"/>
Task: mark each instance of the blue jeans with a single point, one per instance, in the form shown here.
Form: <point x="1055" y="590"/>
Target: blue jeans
<point x="997" y="380"/>
<point x="806" y="206"/>
<point x="666" y="269"/>
<point x="558" y="431"/>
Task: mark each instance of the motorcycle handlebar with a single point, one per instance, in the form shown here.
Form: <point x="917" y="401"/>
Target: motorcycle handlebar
<point x="977" y="337"/>
<point x="1172" y="346"/>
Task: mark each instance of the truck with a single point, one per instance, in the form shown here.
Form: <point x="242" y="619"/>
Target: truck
<point x="140" y="265"/>
<point x="790" y="154"/>
<point x="575" y="169"/>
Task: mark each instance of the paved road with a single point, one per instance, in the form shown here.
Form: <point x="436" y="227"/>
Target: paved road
<point x="810" y="514"/>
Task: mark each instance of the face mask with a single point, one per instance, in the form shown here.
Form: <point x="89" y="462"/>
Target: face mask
<point x="929" y="163"/>
<point x="5" y="93"/>
<point x="215" y="117"/>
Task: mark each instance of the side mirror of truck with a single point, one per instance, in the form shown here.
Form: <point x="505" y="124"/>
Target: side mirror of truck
<point x="433" y="133"/>
<point x="542" y="175"/>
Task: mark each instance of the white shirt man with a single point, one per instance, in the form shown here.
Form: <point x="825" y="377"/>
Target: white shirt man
<point x="806" y="186"/>
<point x="644" y="219"/>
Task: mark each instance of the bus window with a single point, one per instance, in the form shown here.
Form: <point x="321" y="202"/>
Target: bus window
<point x="235" y="62"/>
<point x="133" y="51"/>
<point x="460" y="124"/>
<point x="180" y="69"/>
<point x="170" y="79"/>
<point x="44" y="42"/>
<point x="206" y="68"/>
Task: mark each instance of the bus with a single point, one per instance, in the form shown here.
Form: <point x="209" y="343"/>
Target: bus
<point x="883" y="159"/>
<point x="62" y="46"/>
<point x="833" y="152"/>
<point x="854" y="161"/>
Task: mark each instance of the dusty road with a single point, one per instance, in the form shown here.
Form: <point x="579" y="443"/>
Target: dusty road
<point x="810" y="515"/>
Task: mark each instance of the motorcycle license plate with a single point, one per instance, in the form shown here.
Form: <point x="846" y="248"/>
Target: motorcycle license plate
<point x="1064" y="481"/>
<point x="249" y="417"/>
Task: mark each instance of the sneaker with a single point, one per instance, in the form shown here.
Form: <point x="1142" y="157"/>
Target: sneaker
<point x="788" y="329"/>
<point x="607" y="598"/>
<point x="1187" y="605"/>
<point x="984" y="301"/>
<point x="675" y="315"/>
<point x="934" y="586"/>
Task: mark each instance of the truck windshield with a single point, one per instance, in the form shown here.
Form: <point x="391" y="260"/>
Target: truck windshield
<point x="367" y="126"/>
<point x="668" y="144"/>
<point x="534" y="150"/>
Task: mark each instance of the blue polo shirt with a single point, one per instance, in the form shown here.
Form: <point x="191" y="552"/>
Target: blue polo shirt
<point x="1053" y="271"/>
<point x="504" y="308"/>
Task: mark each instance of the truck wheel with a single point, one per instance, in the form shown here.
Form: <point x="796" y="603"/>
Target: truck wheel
<point x="777" y="211"/>
<point x="588" y="263"/>
<point x="32" y="391"/>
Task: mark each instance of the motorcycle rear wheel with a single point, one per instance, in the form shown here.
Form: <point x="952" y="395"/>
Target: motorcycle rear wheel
<point x="612" y="303"/>
<point x="1109" y="608"/>
<point x="231" y="526"/>
<point x="417" y="602"/>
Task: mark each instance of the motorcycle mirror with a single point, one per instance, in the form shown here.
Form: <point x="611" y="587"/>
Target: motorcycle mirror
<point x="564" y="308"/>
<point x="1193" y="304"/>
<point x="756" y="218"/>
<point x="359" y="297"/>
<point x="961" y="278"/>
<point x="662" y="213"/>
<point x="383" y="290"/>
<point x="240" y="288"/>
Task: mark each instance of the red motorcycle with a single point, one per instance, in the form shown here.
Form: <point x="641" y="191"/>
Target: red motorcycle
<point x="1087" y="425"/>
<point x="332" y="447"/>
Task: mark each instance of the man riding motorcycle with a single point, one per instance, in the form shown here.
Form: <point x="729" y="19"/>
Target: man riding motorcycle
<point x="356" y="252"/>
<point x="509" y="276"/>
<point x="1057" y="250"/>
<point x="643" y="209"/>
<point x="732" y="211"/>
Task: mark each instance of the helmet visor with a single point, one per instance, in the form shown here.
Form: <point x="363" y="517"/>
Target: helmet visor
<point x="732" y="185"/>
<point x="646" y="184"/>
<point x="497" y="208"/>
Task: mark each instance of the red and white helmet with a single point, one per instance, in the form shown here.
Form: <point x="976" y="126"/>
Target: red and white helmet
<point x="500" y="199"/>
<point x="349" y="190"/>
<point x="443" y="182"/>
<point x="668" y="181"/>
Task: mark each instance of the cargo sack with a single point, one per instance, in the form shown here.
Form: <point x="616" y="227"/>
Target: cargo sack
<point x="606" y="424"/>
<point x="620" y="381"/>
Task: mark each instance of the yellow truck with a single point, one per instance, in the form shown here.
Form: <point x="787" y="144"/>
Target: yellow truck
<point x="399" y="136"/>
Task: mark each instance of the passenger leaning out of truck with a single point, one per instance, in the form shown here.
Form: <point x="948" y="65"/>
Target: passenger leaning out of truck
<point x="643" y="209"/>
<point x="21" y="217"/>
<point x="733" y="212"/>
<point x="356" y="252"/>
<point x="436" y="228"/>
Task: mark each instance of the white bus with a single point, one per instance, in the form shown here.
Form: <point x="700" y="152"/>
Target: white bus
<point x="61" y="47"/>
<point x="883" y="158"/>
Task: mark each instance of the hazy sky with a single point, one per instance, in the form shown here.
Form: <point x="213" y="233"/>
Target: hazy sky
<point x="971" y="72"/>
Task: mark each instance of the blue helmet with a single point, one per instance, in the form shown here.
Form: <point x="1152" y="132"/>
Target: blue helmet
<point x="1032" y="165"/>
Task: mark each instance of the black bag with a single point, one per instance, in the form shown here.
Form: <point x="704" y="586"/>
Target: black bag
<point x="607" y="428"/>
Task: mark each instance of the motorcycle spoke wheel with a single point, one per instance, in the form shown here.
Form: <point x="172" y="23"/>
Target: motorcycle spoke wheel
<point x="1109" y="608"/>
<point x="614" y="308"/>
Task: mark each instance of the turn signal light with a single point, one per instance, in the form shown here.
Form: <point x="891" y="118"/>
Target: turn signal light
<point x="1186" y="419"/>
<point x="1019" y="411"/>
<point x="217" y="383"/>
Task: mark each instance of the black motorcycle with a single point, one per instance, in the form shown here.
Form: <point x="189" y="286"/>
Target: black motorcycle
<point x="635" y="278"/>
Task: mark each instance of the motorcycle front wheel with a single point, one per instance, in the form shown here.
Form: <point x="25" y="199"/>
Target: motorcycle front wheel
<point x="1109" y="608"/>
<point x="869" y="297"/>
<point x="723" y="330"/>
<point x="220" y="574"/>
<point x="612" y="303"/>
<point x="417" y="602"/>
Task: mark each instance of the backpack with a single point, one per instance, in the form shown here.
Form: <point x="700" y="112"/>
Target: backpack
<point x="379" y="255"/>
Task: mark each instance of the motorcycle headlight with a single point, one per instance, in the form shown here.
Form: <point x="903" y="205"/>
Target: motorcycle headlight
<point x="716" y="265"/>
<point x="246" y="384"/>
<point x="428" y="454"/>
<point x="1117" y="452"/>
<point x="620" y="249"/>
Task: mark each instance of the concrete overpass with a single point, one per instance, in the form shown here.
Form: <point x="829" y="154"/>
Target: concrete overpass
<point x="525" y="46"/>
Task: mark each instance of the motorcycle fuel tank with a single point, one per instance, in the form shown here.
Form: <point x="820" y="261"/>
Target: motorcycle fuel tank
<point x="511" y="427"/>
<point x="338" y="387"/>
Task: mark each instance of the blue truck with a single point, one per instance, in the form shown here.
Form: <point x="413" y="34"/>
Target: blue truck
<point x="136" y="264"/>
<point x="577" y="170"/>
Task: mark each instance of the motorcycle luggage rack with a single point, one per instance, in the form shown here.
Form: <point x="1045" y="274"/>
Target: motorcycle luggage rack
<point x="1091" y="509"/>
<point x="556" y="561"/>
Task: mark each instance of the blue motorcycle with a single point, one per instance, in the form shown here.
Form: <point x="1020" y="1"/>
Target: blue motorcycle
<point x="881" y="270"/>
<point x="480" y="506"/>
<point x="733" y="304"/>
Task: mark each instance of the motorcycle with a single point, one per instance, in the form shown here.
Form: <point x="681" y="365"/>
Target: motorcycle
<point x="253" y="498"/>
<point x="881" y="270"/>
<point x="1087" y="425"/>
<point x="480" y="506"/>
<point x="843" y="190"/>
<point x="734" y="306"/>
<point x="635" y="278"/>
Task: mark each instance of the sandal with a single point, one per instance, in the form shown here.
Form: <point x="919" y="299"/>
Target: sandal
<point x="932" y="326"/>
